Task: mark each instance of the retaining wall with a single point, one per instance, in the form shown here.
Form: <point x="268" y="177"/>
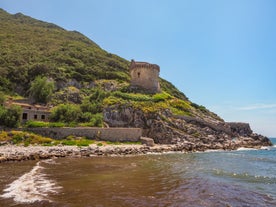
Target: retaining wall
<point x="105" y="134"/>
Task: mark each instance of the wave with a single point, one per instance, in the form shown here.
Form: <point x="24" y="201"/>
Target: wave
<point x="245" y="149"/>
<point x="31" y="187"/>
<point x="249" y="178"/>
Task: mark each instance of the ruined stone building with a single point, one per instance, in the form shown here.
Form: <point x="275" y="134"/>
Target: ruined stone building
<point x="31" y="112"/>
<point x="145" y="75"/>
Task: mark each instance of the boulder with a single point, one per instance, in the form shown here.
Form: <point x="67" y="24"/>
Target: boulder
<point x="147" y="141"/>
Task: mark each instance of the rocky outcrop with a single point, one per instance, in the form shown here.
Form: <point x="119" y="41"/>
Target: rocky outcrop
<point x="147" y="141"/>
<point x="242" y="129"/>
<point x="69" y="94"/>
<point x="198" y="133"/>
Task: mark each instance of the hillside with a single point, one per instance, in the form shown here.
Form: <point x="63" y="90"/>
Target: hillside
<point x="31" y="47"/>
<point x="95" y="84"/>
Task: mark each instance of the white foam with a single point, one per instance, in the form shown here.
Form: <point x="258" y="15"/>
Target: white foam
<point x="31" y="187"/>
<point x="218" y="150"/>
<point x="265" y="148"/>
<point x="245" y="149"/>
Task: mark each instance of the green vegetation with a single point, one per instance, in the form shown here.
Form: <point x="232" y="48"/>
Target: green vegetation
<point x="41" y="89"/>
<point x="35" y="56"/>
<point x="66" y="113"/>
<point x="25" y="138"/>
<point x="2" y="98"/>
<point x="73" y="141"/>
<point x="10" y="117"/>
<point x="93" y="120"/>
<point x="72" y="114"/>
<point x="28" y="138"/>
<point x="34" y="124"/>
<point x="172" y="90"/>
<point x="30" y="48"/>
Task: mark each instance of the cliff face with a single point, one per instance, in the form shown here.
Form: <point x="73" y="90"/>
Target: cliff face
<point x="192" y="132"/>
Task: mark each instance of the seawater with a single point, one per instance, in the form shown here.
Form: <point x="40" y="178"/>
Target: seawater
<point x="219" y="178"/>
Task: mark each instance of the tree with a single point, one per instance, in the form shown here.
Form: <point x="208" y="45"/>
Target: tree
<point x="41" y="89"/>
<point x="66" y="113"/>
<point x="10" y="117"/>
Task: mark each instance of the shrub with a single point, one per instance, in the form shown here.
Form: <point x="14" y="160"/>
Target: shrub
<point x="4" y="136"/>
<point x="31" y="123"/>
<point x="66" y="113"/>
<point x="68" y="142"/>
<point x="201" y="108"/>
<point x="84" y="142"/>
<point x="56" y="124"/>
<point x="71" y="140"/>
<point x="92" y="107"/>
<point x="10" y="117"/>
<point x="180" y="104"/>
<point x="171" y="89"/>
<point x="17" y="137"/>
<point x="112" y="100"/>
<point x="86" y="117"/>
<point x="161" y="97"/>
<point x="98" y="95"/>
<point x="97" y="120"/>
<point x="132" y="96"/>
<point x="150" y="107"/>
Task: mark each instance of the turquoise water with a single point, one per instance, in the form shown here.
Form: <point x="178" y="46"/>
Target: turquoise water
<point x="237" y="178"/>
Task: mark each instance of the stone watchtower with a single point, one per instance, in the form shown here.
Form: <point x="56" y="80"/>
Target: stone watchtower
<point x="145" y="75"/>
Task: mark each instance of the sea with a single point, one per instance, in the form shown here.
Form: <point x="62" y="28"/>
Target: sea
<point x="241" y="178"/>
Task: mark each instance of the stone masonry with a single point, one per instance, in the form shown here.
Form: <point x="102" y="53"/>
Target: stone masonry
<point x="145" y="75"/>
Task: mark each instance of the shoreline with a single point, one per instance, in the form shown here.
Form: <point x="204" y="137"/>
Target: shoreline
<point x="14" y="153"/>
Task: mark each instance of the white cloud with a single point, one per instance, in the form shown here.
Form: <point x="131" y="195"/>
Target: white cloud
<point x="257" y="106"/>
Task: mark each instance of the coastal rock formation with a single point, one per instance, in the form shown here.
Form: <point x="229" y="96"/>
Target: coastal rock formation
<point x="198" y="133"/>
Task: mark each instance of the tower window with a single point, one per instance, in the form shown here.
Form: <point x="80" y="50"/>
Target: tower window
<point x="138" y="74"/>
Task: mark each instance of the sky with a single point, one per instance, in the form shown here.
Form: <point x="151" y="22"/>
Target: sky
<point x="220" y="53"/>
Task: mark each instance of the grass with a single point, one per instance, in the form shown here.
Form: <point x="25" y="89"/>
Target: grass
<point x="24" y="138"/>
<point x="28" y="138"/>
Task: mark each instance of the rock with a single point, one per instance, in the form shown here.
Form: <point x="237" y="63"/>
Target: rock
<point x="165" y="128"/>
<point x="147" y="141"/>
<point x="242" y="129"/>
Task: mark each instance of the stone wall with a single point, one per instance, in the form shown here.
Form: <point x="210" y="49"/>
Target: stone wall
<point x="105" y="134"/>
<point x="36" y="115"/>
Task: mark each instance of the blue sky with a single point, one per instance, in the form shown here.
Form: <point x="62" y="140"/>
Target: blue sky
<point x="220" y="53"/>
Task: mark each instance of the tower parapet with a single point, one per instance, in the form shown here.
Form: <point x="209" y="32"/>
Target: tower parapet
<point x="134" y="65"/>
<point x="145" y="75"/>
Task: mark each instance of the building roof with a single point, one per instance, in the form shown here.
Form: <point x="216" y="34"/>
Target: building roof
<point x="26" y="105"/>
